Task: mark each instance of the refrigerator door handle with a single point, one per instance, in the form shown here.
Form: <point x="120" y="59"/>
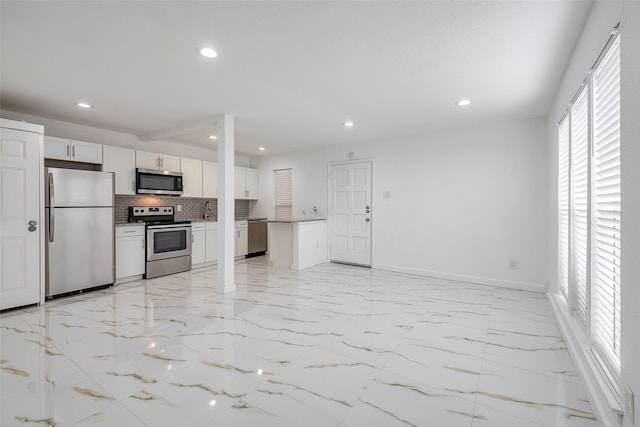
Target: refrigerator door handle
<point x="52" y="209"/>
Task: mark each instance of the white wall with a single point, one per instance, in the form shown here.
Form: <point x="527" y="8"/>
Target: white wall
<point x="463" y="202"/>
<point x="604" y="16"/>
<point x="69" y="130"/>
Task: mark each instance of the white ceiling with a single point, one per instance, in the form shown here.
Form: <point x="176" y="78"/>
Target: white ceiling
<point x="290" y="72"/>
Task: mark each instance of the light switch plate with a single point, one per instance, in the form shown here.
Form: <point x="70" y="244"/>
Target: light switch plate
<point x="629" y="406"/>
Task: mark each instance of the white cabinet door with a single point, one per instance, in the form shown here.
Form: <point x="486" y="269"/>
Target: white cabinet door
<point x="211" y="251"/>
<point x="242" y="241"/>
<point x="240" y="182"/>
<point x="209" y="180"/>
<point x="191" y="177"/>
<point x="130" y="251"/>
<point x="88" y="152"/>
<point x="146" y="160"/>
<point x="252" y="183"/>
<point x="198" y="246"/>
<point x="57" y="148"/>
<point x="121" y="161"/>
<point x="21" y="228"/>
<point x="169" y="163"/>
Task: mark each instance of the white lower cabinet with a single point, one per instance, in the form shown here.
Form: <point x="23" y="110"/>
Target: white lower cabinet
<point x="130" y="253"/>
<point x="198" y="243"/>
<point x="211" y="250"/>
<point x="242" y="238"/>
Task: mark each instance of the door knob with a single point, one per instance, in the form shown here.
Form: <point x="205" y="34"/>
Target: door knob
<point x="32" y="225"/>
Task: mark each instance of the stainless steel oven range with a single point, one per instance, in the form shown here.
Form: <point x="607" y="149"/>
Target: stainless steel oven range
<point x="168" y="240"/>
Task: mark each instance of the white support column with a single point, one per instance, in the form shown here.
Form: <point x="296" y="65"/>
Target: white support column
<point x="226" y="205"/>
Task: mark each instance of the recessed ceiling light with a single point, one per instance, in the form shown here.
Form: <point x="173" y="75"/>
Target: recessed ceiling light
<point x="207" y="52"/>
<point x="261" y="148"/>
<point x="463" y="103"/>
<point x="348" y="124"/>
<point x="213" y="137"/>
<point x="83" y="105"/>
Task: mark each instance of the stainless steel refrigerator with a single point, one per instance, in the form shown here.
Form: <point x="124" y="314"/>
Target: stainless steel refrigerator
<point x="79" y="214"/>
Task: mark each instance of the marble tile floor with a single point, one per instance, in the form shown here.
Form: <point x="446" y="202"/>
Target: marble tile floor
<point x="332" y="345"/>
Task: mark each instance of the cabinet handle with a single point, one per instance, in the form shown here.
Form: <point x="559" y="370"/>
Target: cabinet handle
<point x="73" y="151"/>
<point x="67" y="150"/>
<point x="129" y="231"/>
<point x="191" y="237"/>
<point x="161" y="162"/>
<point x="143" y="243"/>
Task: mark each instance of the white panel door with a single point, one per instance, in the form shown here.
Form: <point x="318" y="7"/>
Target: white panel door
<point x="20" y="228"/>
<point x="350" y="213"/>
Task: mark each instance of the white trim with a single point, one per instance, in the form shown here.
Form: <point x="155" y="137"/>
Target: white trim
<point x="534" y="287"/>
<point x="608" y="410"/>
<point x="27" y="127"/>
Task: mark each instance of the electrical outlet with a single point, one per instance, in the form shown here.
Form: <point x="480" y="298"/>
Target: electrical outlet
<point x="179" y="208"/>
<point x="513" y="264"/>
<point x="629" y="407"/>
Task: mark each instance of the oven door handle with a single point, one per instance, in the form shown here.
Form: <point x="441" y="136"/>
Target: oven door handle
<point x="168" y="226"/>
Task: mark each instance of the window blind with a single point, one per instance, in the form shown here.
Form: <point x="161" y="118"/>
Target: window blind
<point x="283" y="195"/>
<point x="563" y="206"/>
<point x="579" y="204"/>
<point x="606" y="209"/>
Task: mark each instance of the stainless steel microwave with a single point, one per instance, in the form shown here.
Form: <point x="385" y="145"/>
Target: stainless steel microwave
<point x="151" y="181"/>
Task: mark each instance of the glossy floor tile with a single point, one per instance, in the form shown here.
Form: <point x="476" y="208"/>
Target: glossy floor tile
<point x="332" y="345"/>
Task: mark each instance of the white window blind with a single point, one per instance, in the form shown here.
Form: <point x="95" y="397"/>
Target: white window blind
<point x="606" y="209"/>
<point x="563" y="206"/>
<point x="284" y="198"/>
<point x="579" y="204"/>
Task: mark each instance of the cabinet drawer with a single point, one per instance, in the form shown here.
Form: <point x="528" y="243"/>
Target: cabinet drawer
<point x="213" y="225"/>
<point x="197" y="226"/>
<point x="128" y="231"/>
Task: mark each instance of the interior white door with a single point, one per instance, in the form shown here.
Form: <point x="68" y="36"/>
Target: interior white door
<point x="350" y="213"/>
<point x="20" y="228"/>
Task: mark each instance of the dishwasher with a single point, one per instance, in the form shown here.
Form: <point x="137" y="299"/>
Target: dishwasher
<point x="257" y="236"/>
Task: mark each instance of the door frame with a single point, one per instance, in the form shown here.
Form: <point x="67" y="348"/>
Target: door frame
<point x="38" y="130"/>
<point x="372" y="245"/>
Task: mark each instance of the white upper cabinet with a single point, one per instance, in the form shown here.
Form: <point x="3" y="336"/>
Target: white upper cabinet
<point x="246" y="183"/>
<point x="165" y="162"/>
<point x="121" y="161"/>
<point x="191" y="177"/>
<point x="240" y="182"/>
<point x="209" y="180"/>
<point x="252" y="184"/>
<point x="69" y="149"/>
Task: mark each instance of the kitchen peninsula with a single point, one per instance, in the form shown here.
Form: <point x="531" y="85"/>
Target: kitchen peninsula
<point x="298" y="244"/>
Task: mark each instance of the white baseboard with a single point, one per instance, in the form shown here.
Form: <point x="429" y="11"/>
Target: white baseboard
<point x="601" y="399"/>
<point x="462" y="278"/>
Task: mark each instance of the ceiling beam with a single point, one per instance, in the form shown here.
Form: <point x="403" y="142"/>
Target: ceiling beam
<point x="179" y="130"/>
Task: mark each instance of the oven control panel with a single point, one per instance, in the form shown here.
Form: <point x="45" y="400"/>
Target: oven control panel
<point x="145" y="211"/>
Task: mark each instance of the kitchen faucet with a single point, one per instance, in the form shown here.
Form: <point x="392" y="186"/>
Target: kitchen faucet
<point x="207" y="209"/>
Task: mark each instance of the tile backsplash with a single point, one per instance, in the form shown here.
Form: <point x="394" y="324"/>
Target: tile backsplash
<point x="192" y="208"/>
